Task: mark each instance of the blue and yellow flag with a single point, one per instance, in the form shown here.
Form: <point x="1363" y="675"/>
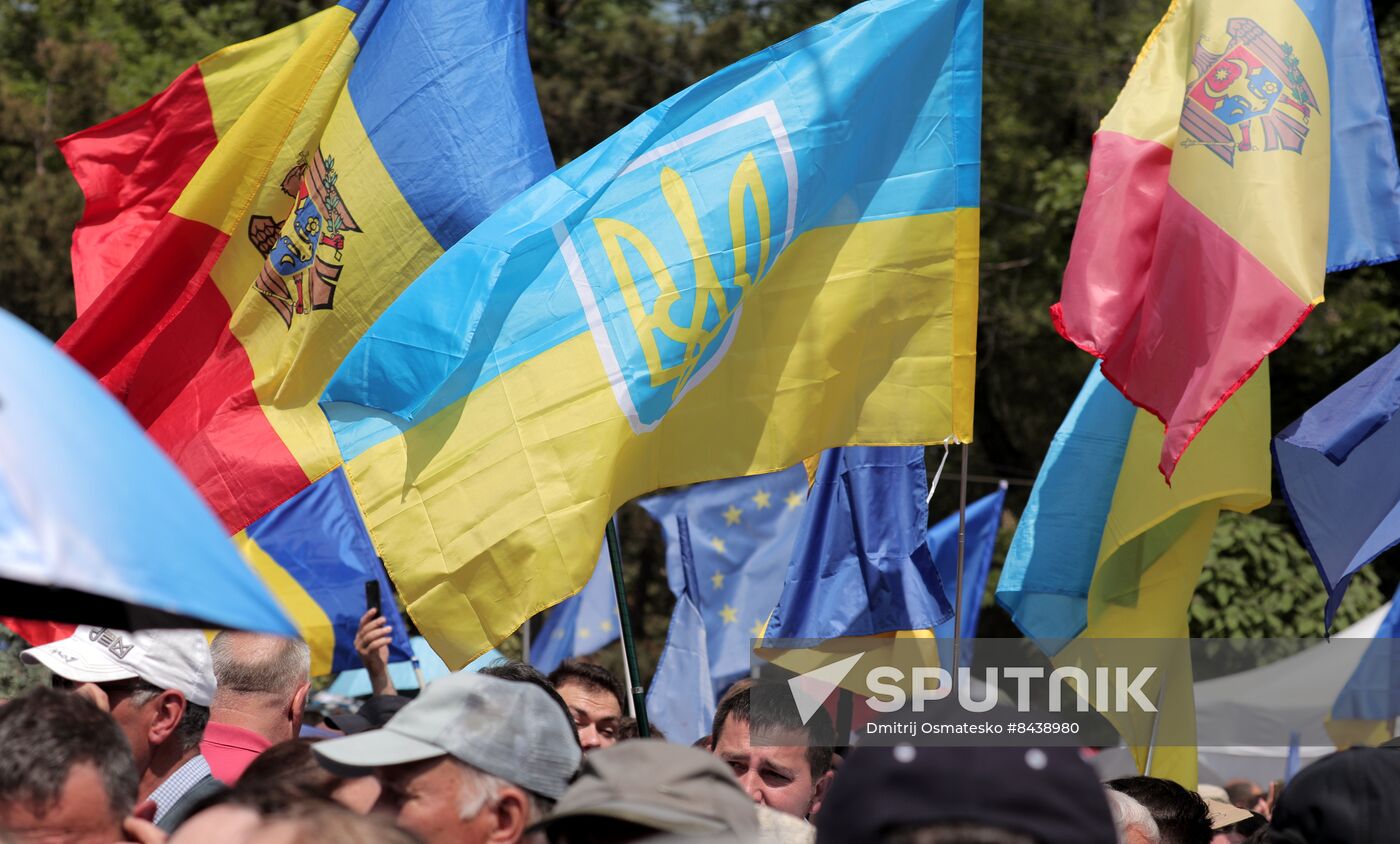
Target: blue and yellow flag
<point x="1104" y="549"/>
<point x="779" y="259"/>
<point x="315" y="554"/>
<point x="583" y="624"/>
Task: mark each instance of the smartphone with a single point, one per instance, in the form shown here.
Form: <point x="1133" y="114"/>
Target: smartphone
<point x="372" y="596"/>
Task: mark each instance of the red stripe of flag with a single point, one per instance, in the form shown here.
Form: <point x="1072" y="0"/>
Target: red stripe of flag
<point x="1178" y="310"/>
<point x="131" y="170"/>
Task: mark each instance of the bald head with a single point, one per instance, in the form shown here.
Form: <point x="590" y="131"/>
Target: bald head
<point x="257" y="663"/>
<point x="263" y="682"/>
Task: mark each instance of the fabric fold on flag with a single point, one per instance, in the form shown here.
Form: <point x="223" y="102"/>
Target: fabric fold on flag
<point x="1365" y="710"/>
<point x="1339" y="468"/>
<point x="246" y="225"/>
<point x="728" y="544"/>
<point x="779" y="259"/>
<point x="1249" y="153"/>
<point x="315" y="554"/>
<point x="581" y="624"/>
<point x="979" y="545"/>
<point x="862" y="564"/>
<point x="1105" y="550"/>
<point x="96" y="525"/>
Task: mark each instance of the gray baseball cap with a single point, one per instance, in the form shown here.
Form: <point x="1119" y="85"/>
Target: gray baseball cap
<point x="667" y="787"/>
<point x="506" y="729"/>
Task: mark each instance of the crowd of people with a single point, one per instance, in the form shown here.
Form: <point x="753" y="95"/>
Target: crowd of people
<point x="159" y="736"/>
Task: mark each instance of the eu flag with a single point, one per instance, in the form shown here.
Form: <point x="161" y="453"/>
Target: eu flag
<point x="727" y="546"/>
<point x="581" y="624"/>
<point x="1339" y="467"/>
<point x="862" y="564"/>
<point x="979" y="543"/>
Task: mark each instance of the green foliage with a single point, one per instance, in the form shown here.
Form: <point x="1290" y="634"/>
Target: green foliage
<point x="1259" y="582"/>
<point x="1051" y="72"/>
<point x="16" y="678"/>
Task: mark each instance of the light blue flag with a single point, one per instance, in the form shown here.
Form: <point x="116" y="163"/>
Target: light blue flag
<point x="681" y="702"/>
<point x="728" y="544"/>
<point x="88" y="503"/>
<point x="862" y="563"/>
<point x="580" y="624"/>
<point x="1294" y="762"/>
<point x="980" y="542"/>
<point x="355" y="682"/>
<point x="1339" y="468"/>
<point x="319" y="540"/>
<point x="1045" y="581"/>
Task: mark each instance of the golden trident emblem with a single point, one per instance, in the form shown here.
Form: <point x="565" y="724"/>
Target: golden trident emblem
<point x="709" y="289"/>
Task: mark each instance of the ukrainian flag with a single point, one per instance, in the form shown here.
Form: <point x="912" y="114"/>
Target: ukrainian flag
<point x="779" y="259"/>
<point x="1105" y="550"/>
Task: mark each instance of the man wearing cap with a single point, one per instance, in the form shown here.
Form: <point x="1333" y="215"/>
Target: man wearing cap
<point x="473" y="759"/>
<point x="157" y="685"/>
<point x="644" y="788"/>
<point x="1013" y="794"/>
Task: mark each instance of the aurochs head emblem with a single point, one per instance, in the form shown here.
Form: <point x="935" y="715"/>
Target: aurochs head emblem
<point x="680" y="239"/>
<point x="1251" y="97"/>
<point x="305" y="252"/>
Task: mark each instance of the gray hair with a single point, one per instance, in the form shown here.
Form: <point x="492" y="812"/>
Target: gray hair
<point x="190" y="731"/>
<point x="258" y="663"/>
<point x="1128" y="813"/>
<point x="479" y="789"/>
<point x="46" y="734"/>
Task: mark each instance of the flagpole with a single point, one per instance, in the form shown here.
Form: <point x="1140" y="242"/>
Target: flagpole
<point x="636" y="701"/>
<point x="525" y="641"/>
<point x="962" y="540"/>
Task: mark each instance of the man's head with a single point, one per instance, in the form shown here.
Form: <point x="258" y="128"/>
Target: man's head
<point x="473" y="759"/>
<point x="67" y="772"/>
<point x="237" y="818"/>
<point x="1132" y="820"/>
<point x="1347" y="797"/>
<point x="780" y="761"/>
<point x="263" y="682"/>
<point x="519" y="672"/>
<point x="1246" y="794"/>
<point x="157" y="684"/>
<point x="596" y="701"/>
<point x="646" y="787"/>
<point x="1182" y="816"/>
<point x="941" y="795"/>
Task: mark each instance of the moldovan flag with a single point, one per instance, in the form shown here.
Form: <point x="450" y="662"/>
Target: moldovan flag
<point x="1249" y="153"/>
<point x="245" y="225"/>
<point x="779" y="259"/>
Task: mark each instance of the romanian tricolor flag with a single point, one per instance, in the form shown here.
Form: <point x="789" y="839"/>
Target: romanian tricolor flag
<point x="1249" y="153"/>
<point x="779" y="259"/>
<point x="1105" y="550"/>
<point x="245" y="226"/>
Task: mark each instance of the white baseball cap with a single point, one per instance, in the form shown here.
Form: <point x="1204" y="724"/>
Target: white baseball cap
<point x="167" y="659"/>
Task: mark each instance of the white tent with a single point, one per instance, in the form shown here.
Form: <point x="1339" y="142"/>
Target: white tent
<point x="1298" y="691"/>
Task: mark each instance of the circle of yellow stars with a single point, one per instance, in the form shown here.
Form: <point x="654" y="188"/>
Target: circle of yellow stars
<point x="734" y="515"/>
